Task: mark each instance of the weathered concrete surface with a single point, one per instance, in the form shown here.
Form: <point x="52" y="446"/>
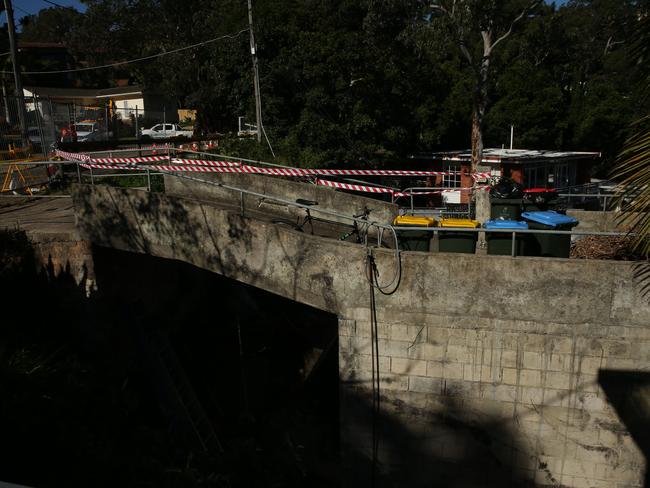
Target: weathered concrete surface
<point x="327" y="198"/>
<point x="50" y="226"/>
<point x="493" y="371"/>
<point x="591" y="220"/>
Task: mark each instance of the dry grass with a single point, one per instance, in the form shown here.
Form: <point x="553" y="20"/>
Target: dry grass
<point x="602" y="247"/>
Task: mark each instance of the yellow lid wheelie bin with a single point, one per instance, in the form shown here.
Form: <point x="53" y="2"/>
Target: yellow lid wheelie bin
<point x="457" y="240"/>
<point x="413" y="240"/>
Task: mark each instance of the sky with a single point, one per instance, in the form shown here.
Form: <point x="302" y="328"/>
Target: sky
<point x="25" y="7"/>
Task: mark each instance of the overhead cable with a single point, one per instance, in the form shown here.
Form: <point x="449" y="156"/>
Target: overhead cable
<point x="130" y="61"/>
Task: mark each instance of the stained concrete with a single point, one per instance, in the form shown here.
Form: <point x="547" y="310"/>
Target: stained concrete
<point x="50" y="225"/>
<point x="597" y="221"/>
<point x="493" y="370"/>
<point x="327" y="198"/>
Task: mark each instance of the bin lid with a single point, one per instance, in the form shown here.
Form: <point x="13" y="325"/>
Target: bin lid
<point x="414" y="221"/>
<point x="467" y="223"/>
<point x="550" y="218"/>
<point x="505" y="224"/>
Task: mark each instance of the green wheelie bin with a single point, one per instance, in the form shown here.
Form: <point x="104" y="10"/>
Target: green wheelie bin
<point x="413" y="240"/>
<point x="500" y="243"/>
<point x="458" y="240"/>
<point x="551" y="245"/>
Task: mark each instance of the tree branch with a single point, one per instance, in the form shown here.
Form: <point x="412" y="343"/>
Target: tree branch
<point x="531" y="6"/>
<point x="457" y="30"/>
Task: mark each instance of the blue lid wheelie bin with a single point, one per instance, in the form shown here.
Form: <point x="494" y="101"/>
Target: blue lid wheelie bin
<point x="551" y="245"/>
<point x="500" y="243"/>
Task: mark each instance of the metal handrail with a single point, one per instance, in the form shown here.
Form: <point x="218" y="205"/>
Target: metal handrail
<point x="429" y="188"/>
<point x="367" y="223"/>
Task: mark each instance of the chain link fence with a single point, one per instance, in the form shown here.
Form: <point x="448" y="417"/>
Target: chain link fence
<point x="47" y="122"/>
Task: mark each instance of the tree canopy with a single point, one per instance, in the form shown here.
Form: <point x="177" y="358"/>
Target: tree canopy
<point x="357" y="80"/>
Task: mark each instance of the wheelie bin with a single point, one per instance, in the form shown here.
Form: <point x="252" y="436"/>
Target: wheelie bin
<point x="500" y="243"/>
<point x="413" y="240"/>
<point x="458" y="240"/>
<point x="505" y="200"/>
<point x="540" y="199"/>
<point x="551" y="245"/>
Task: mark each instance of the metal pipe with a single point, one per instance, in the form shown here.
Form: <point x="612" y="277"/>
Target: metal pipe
<point x="514" y="244"/>
<point x="148" y="181"/>
<point x="78" y="173"/>
<point x="117" y="175"/>
<point x="92" y="180"/>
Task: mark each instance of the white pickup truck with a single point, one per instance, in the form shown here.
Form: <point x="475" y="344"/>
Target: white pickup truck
<point x="164" y="131"/>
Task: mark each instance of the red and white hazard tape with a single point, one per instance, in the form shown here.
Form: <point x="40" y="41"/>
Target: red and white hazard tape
<point x="348" y="186"/>
<point x="142" y="159"/>
<point x="207" y="166"/>
<point x="158" y="167"/>
<point x="378" y="189"/>
<point x="72" y="156"/>
<point x="202" y="162"/>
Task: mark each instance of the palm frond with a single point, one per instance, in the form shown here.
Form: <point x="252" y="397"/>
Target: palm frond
<point x="632" y="170"/>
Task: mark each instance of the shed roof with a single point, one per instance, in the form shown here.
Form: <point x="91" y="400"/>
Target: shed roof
<point x="122" y="92"/>
<point x="513" y="156"/>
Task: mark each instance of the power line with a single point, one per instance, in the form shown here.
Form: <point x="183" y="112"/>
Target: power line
<point x="130" y="61"/>
<point x="54" y="3"/>
<point x="23" y="11"/>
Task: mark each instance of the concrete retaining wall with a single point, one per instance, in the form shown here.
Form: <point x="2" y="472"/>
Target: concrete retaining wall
<point x="327" y="198"/>
<point x="494" y="371"/>
<point x="592" y="220"/>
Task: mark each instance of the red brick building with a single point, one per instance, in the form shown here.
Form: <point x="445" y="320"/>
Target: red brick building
<point x="530" y="168"/>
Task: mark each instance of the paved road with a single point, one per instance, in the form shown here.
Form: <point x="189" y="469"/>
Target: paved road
<point x="49" y="216"/>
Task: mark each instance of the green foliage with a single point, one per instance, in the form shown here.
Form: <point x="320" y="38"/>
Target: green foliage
<point x="349" y="81"/>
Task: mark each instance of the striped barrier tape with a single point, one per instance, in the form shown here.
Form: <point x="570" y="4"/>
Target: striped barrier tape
<point x="396" y="194"/>
<point x="348" y="186"/>
<point x="235" y="167"/>
<point x="142" y="159"/>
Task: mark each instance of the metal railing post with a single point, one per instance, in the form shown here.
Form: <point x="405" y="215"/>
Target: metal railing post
<point x="148" y="180"/>
<point x="78" y="173"/>
<point x="92" y="180"/>
<point x="514" y="244"/>
<point x="412" y="204"/>
<point x="605" y="203"/>
<point x="241" y="202"/>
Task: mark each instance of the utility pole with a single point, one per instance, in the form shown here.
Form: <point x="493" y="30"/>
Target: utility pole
<point x="256" y="73"/>
<point x="20" y="95"/>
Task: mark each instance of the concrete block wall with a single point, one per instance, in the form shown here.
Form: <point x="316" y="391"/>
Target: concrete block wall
<point x="471" y="400"/>
<point x="494" y="371"/>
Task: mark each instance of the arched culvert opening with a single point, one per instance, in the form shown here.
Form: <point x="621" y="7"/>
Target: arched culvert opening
<point x="263" y="369"/>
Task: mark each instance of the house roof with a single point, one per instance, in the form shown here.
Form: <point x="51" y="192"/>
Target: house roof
<point x="513" y="156"/>
<point x="118" y="93"/>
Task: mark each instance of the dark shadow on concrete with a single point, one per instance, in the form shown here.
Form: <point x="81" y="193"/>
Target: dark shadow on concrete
<point x="629" y="393"/>
<point x="195" y="232"/>
<point x="438" y="445"/>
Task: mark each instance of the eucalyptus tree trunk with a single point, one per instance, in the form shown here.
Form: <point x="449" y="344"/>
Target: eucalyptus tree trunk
<point x="481" y="197"/>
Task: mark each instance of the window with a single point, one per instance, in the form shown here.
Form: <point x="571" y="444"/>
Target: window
<point x="562" y="179"/>
<point x="534" y="177"/>
<point x="451" y="180"/>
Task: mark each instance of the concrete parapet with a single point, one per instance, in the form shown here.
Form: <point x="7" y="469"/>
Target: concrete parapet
<point x="493" y="371"/>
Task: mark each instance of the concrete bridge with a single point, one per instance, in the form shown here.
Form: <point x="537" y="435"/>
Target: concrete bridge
<point x="492" y="371"/>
